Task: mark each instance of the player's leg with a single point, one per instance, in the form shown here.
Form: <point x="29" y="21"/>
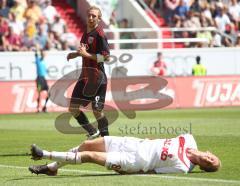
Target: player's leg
<point x="38" y="101"/>
<point x="97" y="145"/>
<point x="102" y="122"/>
<point x="45" y="104"/>
<point x="69" y="157"/>
<point x="93" y="157"/>
<point x="45" y="87"/>
<point x="97" y="106"/>
<point x="38" y="84"/>
<point x="74" y="108"/>
<point x="54" y="166"/>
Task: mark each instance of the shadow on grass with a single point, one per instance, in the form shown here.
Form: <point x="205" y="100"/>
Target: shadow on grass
<point x="99" y="175"/>
<point x="62" y="176"/>
<point x="17" y="154"/>
<point x="197" y="172"/>
<point x="40" y="177"/>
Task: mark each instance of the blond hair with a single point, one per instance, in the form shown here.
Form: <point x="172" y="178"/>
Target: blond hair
<point x="95" y="8"/>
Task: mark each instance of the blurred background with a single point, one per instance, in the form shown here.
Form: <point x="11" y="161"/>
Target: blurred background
<point x="193" y="44"/>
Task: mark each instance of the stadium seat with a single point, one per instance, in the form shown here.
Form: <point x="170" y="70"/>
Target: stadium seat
<point x="69" y="15"/>
<point x="165" y="34"/>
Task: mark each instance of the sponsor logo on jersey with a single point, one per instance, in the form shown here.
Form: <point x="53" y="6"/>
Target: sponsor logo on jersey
<point x="90" y="40"/>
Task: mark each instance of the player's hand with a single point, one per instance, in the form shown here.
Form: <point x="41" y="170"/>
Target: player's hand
<point x="82" y="50"/>
<point x="71" y="55"/>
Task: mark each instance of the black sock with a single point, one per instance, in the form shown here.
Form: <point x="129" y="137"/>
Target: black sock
<point x="46" y="102"/>
<point x="44" y="109"/>
<point x="103" y="126"/>
<point x="83" y="121"/>
<point x="38" y="103"/>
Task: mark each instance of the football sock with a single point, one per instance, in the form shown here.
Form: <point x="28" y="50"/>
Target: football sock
<point x="74" y="149"/>
<point x="103" y="126"/>
<point x="38" y="103"/>
<point x="66" y="157"/>
<point x="56" y="165"/>
<point x="83" y="121"/>
<point x="46" y="101"/>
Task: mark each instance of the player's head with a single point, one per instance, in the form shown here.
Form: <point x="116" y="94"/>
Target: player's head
<point x="209" y="162"/>
<point x="159" y="54"/>
<point x="94" y="16"/>
<point x="198" y="59"/>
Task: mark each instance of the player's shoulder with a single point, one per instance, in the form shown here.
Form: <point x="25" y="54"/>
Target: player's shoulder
<point x="187" y="135"/>
<point x="189" y="138"/>
<point x="100" y="31"/>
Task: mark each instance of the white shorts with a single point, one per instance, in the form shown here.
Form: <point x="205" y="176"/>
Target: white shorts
<point x="122" y="154"/>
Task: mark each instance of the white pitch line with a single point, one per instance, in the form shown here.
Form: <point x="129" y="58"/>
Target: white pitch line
<point x="147" y="175"/>
<point x="193" y="178"/>
<point x="63" y="170"/>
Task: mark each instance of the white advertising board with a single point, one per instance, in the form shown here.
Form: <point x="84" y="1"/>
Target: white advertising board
<point x="218" y="61"/>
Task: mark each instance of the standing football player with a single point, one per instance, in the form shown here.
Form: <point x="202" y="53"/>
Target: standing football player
<point x="92" y="83"/>
<point x="41" y="82"/>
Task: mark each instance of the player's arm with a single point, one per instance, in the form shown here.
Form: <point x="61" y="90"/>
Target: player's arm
<point x="72" y="55"/>
<point x="96" y="57"/>
<point x="37" y="59"/>
<point x="103" y="51"/>
<point x="37" y="51"/>
<point x="83" y="53"/>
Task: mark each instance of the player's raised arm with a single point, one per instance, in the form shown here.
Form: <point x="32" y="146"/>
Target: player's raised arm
<point x="72" y="55"/>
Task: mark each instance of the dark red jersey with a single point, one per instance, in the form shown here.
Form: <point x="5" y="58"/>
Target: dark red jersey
<point x="96" y="43"/>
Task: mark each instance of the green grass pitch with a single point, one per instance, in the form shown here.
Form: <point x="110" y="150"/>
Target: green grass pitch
<point x="217" y="130"/>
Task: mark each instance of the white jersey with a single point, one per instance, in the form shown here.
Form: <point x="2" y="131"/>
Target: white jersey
<point x="166" y="155"/>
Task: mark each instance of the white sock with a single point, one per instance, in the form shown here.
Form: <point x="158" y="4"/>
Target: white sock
<point x="56" y="165"/>
<point x="46" y="154"/>
<point x="67" y="157"/>
<point x="74" y="149"/>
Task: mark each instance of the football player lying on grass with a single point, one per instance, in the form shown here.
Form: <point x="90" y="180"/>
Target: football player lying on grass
<point x="128" y="155"/>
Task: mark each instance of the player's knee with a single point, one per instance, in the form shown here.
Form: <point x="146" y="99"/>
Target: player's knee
<point x="86" y="145"/>
<point x="88" y="156"/>
<point x="92" y="156"/>
<point x="98" y="114"/>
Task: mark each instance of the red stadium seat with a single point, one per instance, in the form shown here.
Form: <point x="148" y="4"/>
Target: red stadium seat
<point x="69" y="15"/>
<point x="165" y="34"/>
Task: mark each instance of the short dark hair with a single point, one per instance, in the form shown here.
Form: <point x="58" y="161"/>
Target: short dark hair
<point x="198" y="58"/>
<point x="159" y="54"/>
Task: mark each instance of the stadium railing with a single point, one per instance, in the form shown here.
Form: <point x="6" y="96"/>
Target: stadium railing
<point x="158" y="40"/>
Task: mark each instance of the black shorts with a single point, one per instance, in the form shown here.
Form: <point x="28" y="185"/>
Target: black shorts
<point x="84" y="93"/>
<point x="41" y="84"/>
